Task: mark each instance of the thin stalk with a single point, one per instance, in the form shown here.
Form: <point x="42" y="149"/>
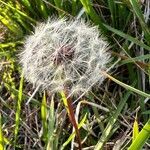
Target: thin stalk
<point x="68" y="103"/>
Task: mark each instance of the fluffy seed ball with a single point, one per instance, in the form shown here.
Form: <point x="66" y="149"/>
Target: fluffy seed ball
<point x="64" y="54"/>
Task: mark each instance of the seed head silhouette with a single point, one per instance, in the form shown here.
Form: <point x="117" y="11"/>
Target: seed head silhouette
<point x="65" y="53"/>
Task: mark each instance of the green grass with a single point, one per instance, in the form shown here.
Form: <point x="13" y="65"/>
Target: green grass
<point x="107" y="114"/>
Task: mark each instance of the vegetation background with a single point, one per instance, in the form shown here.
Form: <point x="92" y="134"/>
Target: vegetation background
<point x="113" y="117"/>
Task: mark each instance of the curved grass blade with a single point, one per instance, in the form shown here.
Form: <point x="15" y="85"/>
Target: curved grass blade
<point x="128" y="87"/>
<point x="138" y="58"/>
<point x="127" y="37"/>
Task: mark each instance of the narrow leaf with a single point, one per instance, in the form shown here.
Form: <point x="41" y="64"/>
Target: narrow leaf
<point x="128" y="87"/>
<point x="1" y="135"/>
<point x="44" y="114"/>
<point x="128" y="37"/>
<point x="135" y="129"/>
<point x="142" y="137"/>
<point x="18" y="111"/>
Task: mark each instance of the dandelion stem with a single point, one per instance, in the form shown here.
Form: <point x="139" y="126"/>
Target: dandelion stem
<point x="69" y="107"/>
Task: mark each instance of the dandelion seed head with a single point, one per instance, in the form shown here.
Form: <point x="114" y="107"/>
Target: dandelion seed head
<point x="62" y="53"/>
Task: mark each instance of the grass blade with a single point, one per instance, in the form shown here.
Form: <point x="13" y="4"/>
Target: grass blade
<point x="135" y="129"/>
<point x="128" y="37"/>
<point x="138" y="58"/>
<point x="51" y="128"/>
<point x="112" y="121"/>
<point x="1" y="135"/>
<point x="18" y="11"/>
<point x="19" y="102"/>
<point x="128" y="87"/>
<point x="141" y="138"/>
<point x="42" y="8"/>
<point x="136" y="8"/>
<point x="74" y="5"/>
<point x="112" y="7"/>
<point x="44" y="116"/>
<point x="91" y="12"/>
<point x="11" y="24"/>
